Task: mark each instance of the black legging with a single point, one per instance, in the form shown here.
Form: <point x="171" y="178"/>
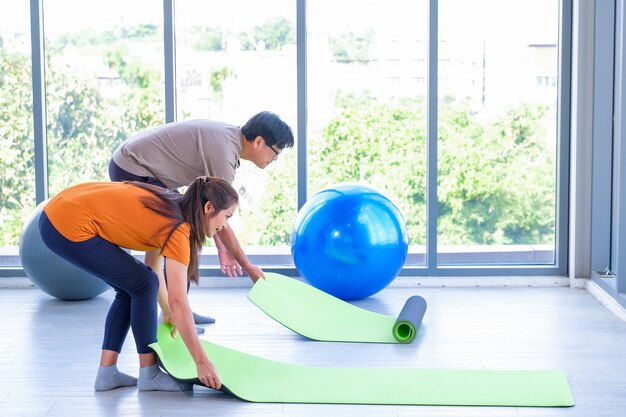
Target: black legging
<point x="118" y="174"/>
<point x="136" y="285"/>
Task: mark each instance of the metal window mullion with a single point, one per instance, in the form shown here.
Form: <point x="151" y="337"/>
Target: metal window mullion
<point x="169" y="54"/>
<point x="431" y="147"/>
<point x="39" y="100"/>
<point x="301" y="69"/>
<point x="563" y="137"/>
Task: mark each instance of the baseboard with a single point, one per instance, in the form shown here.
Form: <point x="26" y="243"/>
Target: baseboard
<point x="606" y="300"/>
<point x="400" y="282"/>
<point x="16" y="283"/>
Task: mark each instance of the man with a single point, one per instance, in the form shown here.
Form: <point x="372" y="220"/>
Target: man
<point x="175" y="154"/>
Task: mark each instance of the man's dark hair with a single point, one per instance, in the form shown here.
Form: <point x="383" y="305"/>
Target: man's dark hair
<point x="271" y="128"/>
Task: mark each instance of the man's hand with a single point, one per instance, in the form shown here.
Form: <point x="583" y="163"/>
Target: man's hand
<point x="228" y="264"/>
<point x="255" y="273"/>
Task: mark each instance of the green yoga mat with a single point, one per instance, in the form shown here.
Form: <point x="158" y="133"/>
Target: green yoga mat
<point x="320" y="316"/>
<point x="256" y="379"/>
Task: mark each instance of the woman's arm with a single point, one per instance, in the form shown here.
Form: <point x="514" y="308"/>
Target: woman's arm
<point x="182" y="318"/>
<point x="154" y="260"/>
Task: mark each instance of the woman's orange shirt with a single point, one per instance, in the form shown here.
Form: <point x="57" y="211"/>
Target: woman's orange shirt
<point x="115" y="212"/>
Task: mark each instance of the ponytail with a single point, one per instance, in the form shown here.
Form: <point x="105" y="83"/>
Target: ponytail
<point x="201" y="191"/>
<point x="189" y="208"/>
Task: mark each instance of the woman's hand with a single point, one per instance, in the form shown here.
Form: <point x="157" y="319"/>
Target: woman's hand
<point x="208" y="375"/>
<point x="167" y="318"/>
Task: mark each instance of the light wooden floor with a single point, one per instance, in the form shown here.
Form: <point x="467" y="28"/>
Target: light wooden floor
<point x="49" y="351"/>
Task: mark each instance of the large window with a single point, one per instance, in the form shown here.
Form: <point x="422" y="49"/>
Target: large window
<point x="476" y="170"/>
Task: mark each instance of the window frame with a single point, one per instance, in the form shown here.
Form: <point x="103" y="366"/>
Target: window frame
<point x="276" y="262"/>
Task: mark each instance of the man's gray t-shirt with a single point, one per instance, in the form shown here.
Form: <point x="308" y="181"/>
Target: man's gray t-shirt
<point x="178" y="153"/>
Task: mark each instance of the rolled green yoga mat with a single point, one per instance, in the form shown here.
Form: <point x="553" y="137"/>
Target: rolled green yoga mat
<point x="256" y="379"/>
<point x="409" y="320"/>
<point x="320" y="316"/>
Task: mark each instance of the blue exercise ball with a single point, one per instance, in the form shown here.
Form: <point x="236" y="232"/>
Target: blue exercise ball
<point x="349" y="241"/>
<point x="51" y="273"/>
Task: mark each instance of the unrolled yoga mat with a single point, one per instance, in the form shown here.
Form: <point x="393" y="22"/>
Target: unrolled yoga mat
<point x="256" y="379"/>
<point x="320" y="316"/>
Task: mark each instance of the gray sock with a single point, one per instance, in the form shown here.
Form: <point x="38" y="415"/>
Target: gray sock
<point x="199" y="319"/>
<point x="110" y="377"/>
<point x="151" y="378"/>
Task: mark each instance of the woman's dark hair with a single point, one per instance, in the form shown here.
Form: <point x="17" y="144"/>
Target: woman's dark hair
<point x="189" y="208"/>
<point x="271" y="128"/>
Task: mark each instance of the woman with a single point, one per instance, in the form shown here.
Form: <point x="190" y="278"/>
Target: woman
<point x="89" y="224"/>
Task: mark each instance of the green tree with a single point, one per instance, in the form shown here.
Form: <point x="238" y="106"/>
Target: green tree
<point x="143" y="31"/>
<point x="496" y="182"/>
<point x="17" y="168"/>
<point x="274" y="33"/>
<point x="380" y="145"/>
<point x="353" y="47"/>
<point x="89" y="37"/>
<point x="83" y="128"/>
<point x="280" y="204"/>
<point x="496" y="178"/>
<point x="217" y="78"/>
<point x="143" y="92"/>
<point x="208" y="39"/>
<point x="80" y="118"/>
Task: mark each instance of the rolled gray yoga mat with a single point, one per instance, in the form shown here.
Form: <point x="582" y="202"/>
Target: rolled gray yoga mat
<point x="410" y="319"/>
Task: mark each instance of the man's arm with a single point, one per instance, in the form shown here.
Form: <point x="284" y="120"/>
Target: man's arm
<point x="230" y="242"/>
<point x="228" y="264"/>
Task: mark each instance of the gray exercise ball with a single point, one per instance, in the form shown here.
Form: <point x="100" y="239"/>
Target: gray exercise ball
<point x="51" y="273"/>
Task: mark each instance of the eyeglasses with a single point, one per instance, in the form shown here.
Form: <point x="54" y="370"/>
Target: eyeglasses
<point x="276" y="153"/>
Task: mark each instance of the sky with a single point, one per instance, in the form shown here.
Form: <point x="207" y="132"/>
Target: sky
<point x="507" y="17"/>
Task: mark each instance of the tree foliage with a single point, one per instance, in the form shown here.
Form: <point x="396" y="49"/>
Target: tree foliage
<point x="17" y="159"/>
<point x="208" y="39"/>
<point x="83" y="129"/>
<point x="91" y="37"/>
<point x="353" y="47"/>
<point x="273" y="34"/>
<point x="496" y="180"/>
<point x="217" y="78"/>
<point x="496" y="177"/>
